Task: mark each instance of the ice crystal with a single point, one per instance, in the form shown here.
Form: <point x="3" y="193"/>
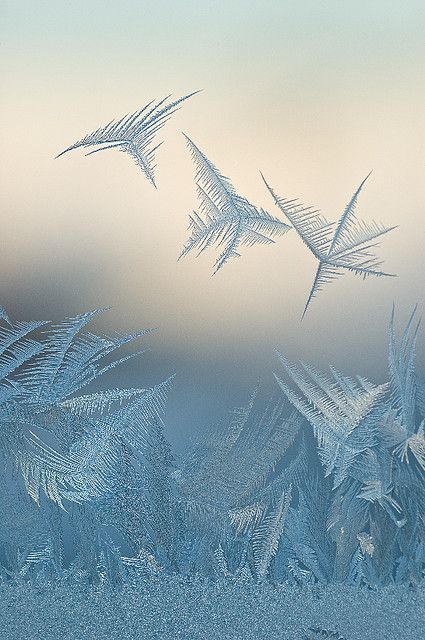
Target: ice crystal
<point x="229" y="221"/>
<point x="338" y="247"/>
<point x="133" y="134"/>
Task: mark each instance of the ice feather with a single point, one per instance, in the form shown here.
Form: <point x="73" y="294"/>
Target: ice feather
<point x="230" y="221"/>
<point x="133" y="134"/>
<point x="344" y="246"/>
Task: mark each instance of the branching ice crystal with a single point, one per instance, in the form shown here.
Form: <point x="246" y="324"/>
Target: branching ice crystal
<point x="345" y="245"/>
<point x="229" y="221"/>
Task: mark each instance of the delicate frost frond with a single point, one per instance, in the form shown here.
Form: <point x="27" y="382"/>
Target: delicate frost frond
<point x="325" y="273"/>
<point x="70" y="361"/>
<point x="88" y="470"/>
<point x="306" y="526"/>
<point x="246" y="517"/>
<point x="44" y="373"/>
<point x="135" y="420"/>
<point x="45" y="469"/>
<point x="217" y="187"/>
<point x="80" y="457"/>
<point x="134" y="134"/>
<point x="4" y="316"/>
<point x="415" y="444"/>
<point x="345" y="245"/>
<point x="145" y="561"/>
<point x="344" y="424"/>
<point x="266" y="536"/>
<point x="327" y="402"/>
<point x="234" y="464"/>
<point x="100" y="402"/>
<point x="347" y="224"/>
<point x="375" y="491"/>
<point x="16" y="348"/>
<point x="220" y="557"/>
<point x="401" y="365"/>
<point x="230" y="220"/>
<point x="314" y="230"/>
<point x="366" y="543"/>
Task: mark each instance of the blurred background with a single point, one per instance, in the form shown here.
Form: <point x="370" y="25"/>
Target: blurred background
<point x="315" y="94"/>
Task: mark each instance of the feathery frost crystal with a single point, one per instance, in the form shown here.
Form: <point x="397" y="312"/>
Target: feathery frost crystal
<point x="323" y="485"/>
<point x="133" y="134"/>
<point x="229" y="221"/>
<point x="345" y="245"/>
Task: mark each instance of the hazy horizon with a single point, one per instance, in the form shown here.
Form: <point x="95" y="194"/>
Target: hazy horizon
<point x="313" y="95"/>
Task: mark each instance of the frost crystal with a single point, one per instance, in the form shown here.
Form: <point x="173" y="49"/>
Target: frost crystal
<point x="229" y="221"/>
<point x="345" y="245"/>
<point x="133" y="134"/>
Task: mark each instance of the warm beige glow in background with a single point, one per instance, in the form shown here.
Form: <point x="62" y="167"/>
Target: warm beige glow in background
<point x="315" y="94"/>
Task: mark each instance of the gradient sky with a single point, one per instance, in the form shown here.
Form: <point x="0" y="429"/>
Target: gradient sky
<point x="315" y="94"/>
